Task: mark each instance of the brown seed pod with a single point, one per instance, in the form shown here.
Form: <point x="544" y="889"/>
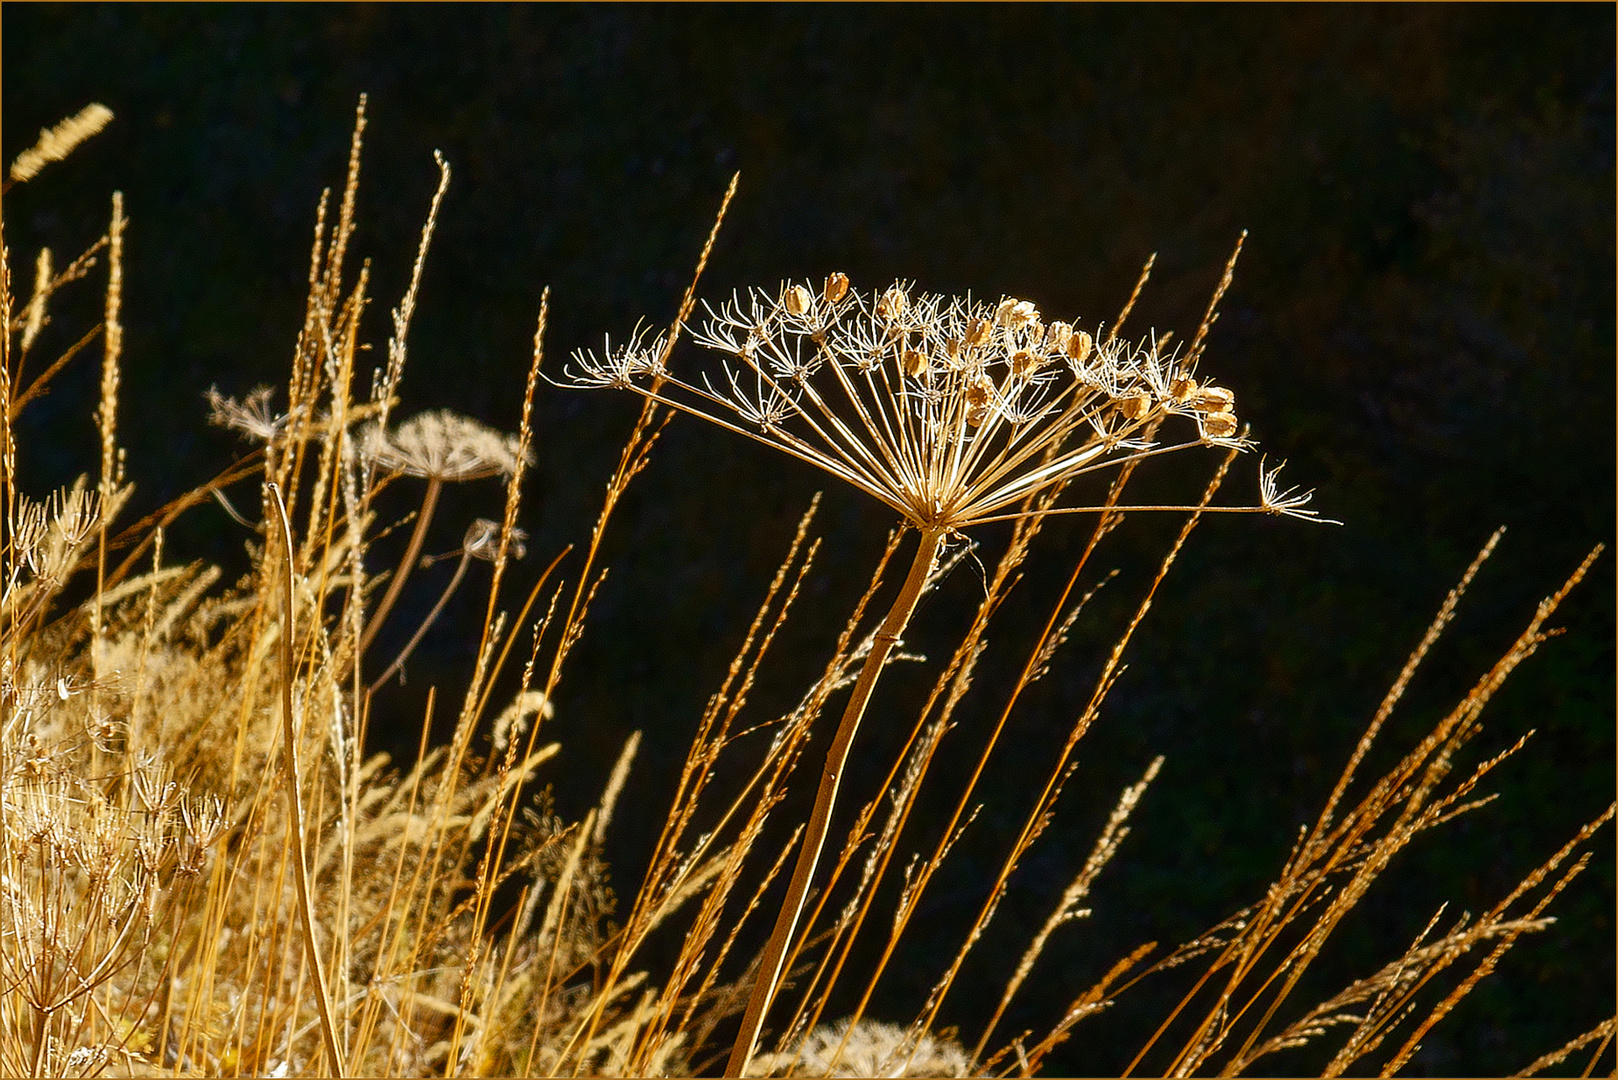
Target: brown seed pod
<point x="796" y="300"/>
<point x="1057" y="336"/>
<point x="836" y="287"/>
<point x="977" y="331"/>
<point x="1078" y="346"/>
<point x="1024" y="363"/>
<point x="1135" y="406"/>
<point x="1219" y="425"/>
<point x="893" y="303"/>
<point x="1214" y="399"/>
<point x="1182" y="389"/>
<point x="914" y="362"/>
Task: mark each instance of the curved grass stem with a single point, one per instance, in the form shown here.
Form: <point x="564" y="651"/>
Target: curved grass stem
<point x="770" y="965"/>
<point x="306" y="906"/>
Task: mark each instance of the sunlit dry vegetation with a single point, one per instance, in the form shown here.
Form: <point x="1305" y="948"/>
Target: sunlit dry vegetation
<point x="204" y="872"/>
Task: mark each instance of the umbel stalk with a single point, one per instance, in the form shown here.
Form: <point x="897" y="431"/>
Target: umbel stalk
<point x="774" y="957"/>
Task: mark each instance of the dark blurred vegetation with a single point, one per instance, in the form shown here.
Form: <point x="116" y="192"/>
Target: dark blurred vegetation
<point x="1422" y="324"/>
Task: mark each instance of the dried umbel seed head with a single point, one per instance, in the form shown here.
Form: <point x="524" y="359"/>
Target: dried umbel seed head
<point x="923" y="401"/>
<point x="482" y="541"/>
<point x="1219" y="425"/>
<point x="836" y="287"/>
<point x="1014" y="313"/>
<point x="796" y="300"/>
<point x="893" y="303"/>
<point x="445" y="446"/>
<point x="1079" y="346"/>
<point x="1135" y="406"/>
<point x="1213" y="399"/>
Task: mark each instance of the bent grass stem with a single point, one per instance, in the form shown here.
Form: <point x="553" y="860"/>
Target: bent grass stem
<point x="770" y="965"/>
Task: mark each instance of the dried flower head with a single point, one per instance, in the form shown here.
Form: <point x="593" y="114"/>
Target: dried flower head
<point x="482" y="541"/>
<point x="445" y="446"/>
<point x="865" y="1048"/>
<point x="950" y="411"/>
<point x="252" y="416"/>
<point x="49" y="536"/>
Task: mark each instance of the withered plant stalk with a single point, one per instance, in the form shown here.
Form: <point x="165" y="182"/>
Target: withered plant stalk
<point x="289" y="737"/>
<point x="831" y="774"/>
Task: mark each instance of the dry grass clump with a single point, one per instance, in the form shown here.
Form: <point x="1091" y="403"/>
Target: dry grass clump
<point x="152" y="847"/>
<point x="202" y="872"/>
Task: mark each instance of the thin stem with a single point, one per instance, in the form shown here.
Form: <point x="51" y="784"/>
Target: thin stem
<point x="290" y="748"/>
<point x="769" y="973"/>
<point x="432" y="616"/>
<point x="429" y="503"/>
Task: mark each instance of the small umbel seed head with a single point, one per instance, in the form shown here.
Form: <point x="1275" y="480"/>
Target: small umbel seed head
<point x="1024" y="363"/>
<point x="1219" y="425"/>
<point x="836" y="287"/>
<point x="914" y="362"/>
<point x="977" y="331"/>
<point x="796" y="300"/>
<point x="1079" y="346"/>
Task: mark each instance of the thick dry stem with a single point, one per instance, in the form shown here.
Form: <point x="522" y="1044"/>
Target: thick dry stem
<point x="769" y="972"/>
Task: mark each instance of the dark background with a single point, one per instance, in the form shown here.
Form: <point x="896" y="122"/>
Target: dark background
<point x="1422" y="324"/>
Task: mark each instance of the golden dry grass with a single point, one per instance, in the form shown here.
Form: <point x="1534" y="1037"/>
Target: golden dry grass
<point x="202" y="873"/>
